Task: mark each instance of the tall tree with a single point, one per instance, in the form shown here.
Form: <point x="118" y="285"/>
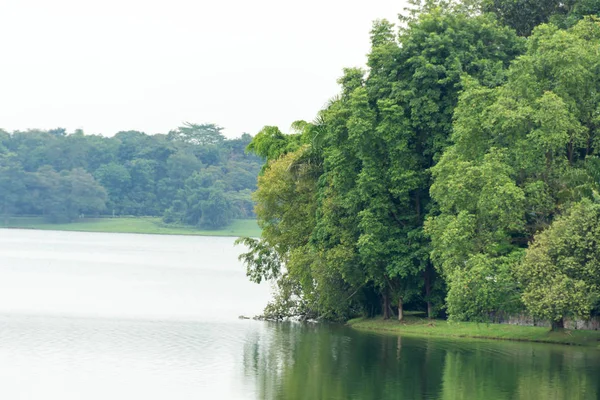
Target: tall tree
<point x="371" y="149"/>
<point x="521" y="152"/>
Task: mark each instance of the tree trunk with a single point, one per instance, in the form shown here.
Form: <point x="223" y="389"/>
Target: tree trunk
<point x="386" y="306"/>
<point x="428" y="291"/>
<point x="560" y="324"/>
<point x="400" y="309"/>
<point x="571" y="153"/>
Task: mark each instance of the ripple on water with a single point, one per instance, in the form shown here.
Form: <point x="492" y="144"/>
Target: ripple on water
<point x="194" y="355"/>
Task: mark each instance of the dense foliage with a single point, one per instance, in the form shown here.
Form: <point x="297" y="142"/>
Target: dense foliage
<point x="424" y="181"/>
<point x="561" y="270"/>
<point x="192" y="175"/>
<point x="525" y="15"/>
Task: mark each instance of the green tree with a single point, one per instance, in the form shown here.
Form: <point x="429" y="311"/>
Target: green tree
<point x="521" y="152"/>
<point x="12" y="185"/>
<point x="270" y="143"/>
<point x="216" y="210"/>
<point x="182" y="165"/>
<point x="560" y="273"/>
<point x="397" y="124"/>
<point x="132" y="144"/>
<point x="365" y="159"/>
<point x="101" y="151"/>
<point x="84" y="195"/>
<point x="142" y="172"/>
<point x="69" y="195"/>
<point x="198" y="134"/>
<point x="285" y="210"/>
<point x="115" y="178"/>
<point x="525" y="15"/>
<point x="31" y="148"/>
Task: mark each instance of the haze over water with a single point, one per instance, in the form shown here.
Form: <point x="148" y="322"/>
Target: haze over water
<point x="119" y="316"/>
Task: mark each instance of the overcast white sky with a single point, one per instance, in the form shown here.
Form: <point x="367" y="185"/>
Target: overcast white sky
<point x="111" y="65"/>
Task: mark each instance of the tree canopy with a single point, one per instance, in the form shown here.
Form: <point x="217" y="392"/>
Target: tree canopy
<point x="424" y="181"/>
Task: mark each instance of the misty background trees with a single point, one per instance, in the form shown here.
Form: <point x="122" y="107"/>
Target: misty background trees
<point x="193" y="175"/>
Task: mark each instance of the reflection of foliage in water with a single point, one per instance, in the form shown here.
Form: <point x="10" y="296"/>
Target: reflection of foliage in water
<point x="293" y="361"/>
<point x="484" y="370"/>
<point x="315" y="362"/>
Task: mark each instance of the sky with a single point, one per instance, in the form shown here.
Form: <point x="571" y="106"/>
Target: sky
<point x="112" y="65"/>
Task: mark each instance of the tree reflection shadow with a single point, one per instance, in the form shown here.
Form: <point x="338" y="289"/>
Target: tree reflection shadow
<point x="295" y="361"/>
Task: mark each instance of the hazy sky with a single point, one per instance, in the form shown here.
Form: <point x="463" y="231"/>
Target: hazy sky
<point x="112" y="65"/>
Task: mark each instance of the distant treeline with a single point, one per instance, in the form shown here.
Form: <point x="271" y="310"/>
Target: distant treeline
<point x="193" y="175"/>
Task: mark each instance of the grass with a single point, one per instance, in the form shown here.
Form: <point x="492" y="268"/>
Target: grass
<point x="416" y="326"/>
<point x="239" y="227"/>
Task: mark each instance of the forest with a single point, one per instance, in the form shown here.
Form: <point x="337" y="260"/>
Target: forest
<point x="193" y="175"/>
<point x="457" y="175"/>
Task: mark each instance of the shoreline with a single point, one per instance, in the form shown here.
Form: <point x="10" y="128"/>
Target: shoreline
<point x="134" y="225"/>
<point x="414" y="326"/>
<point x="207" y="234"/>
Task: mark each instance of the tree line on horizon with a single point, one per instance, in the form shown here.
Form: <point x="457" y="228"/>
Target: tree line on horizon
<point x="459" y="174"/>
<point x="193" y="175"/>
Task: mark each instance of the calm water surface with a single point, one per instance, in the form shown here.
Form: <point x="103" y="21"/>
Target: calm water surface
<point x="117" y="316"/>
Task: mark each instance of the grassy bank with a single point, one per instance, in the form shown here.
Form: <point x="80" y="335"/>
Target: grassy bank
<point x="240" y="227"/>
<point x="422" y="327"/>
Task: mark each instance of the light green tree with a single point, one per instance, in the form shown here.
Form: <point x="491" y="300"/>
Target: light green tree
<point x="560" y="273"/>
<point x="521" y="153"/>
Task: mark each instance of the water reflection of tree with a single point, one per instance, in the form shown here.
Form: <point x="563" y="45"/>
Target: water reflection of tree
<point x="294" y="362"/>
<point x="501" y="370"/>
<point x="314" y="362"/>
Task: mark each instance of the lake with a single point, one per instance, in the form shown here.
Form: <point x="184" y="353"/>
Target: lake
<point x="120" y="316"/>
